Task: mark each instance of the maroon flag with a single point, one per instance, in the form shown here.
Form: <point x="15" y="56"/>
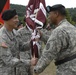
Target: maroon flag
<point x="35" y="18"/>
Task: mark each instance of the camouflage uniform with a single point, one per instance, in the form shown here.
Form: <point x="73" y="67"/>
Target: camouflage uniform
<point x="25" y="35"/>
<point x="61" y="44"/>
<point x="43" y="40"/>
<point x="45" y="33"/>
<point x="8" y="55"/>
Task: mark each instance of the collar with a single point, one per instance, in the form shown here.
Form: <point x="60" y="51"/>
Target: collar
<point x="10" y="34"/>
<point x="64" y="20"/>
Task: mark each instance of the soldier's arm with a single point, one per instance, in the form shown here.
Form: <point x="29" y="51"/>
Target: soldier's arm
<point x="44" y="37"/>
<point x="52" y="48"/>
<point x="7" y="58"/>
<point x="24" y="45"/>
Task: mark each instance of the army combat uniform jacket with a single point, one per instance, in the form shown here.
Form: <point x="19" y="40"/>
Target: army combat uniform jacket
<point x="25" y="35"/>
<point x="11" y="53"/>
<point x="60" y="45"/>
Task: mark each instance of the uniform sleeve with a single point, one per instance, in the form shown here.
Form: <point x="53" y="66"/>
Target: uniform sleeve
<point x="44" y="37"/>
<point x="7" y="58"/>
<point x="56" y="42"/>
<point x="23" y="45"/>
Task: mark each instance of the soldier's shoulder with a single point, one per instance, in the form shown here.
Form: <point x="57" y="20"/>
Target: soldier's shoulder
<point x="21" y="29"/>
<point x="24" y="31"/>
<point x="2" y="32"/>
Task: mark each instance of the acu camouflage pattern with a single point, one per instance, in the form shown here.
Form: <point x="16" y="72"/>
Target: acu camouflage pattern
<point x="47" y="32"/>
<point x="7" y="55"/>
<point x="45" y="35"/>
<point x="61" y="44"/>
<point x="44" y="38"/>
<point x="25" y="35"/>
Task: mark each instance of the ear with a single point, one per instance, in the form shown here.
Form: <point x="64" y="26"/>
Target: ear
<point x="56" y="13"/>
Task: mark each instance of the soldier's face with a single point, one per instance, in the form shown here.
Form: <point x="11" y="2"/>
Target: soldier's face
<point x="53" y="17"/>
<point x="14" y="22"/>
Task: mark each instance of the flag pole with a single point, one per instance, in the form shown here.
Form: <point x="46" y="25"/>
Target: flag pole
<point x="35" y="15"/>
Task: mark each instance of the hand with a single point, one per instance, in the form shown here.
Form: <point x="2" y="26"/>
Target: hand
<point x="3" y="45"/>
<point x="48" y="27"/>
<point x="37" y="39"/>
<point x="39" y="32"/>
<point x="34" y="61"/>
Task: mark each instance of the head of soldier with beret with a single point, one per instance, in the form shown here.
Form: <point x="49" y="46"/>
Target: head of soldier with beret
<point x="10" y="18"/>
<point x="56" y="13"/>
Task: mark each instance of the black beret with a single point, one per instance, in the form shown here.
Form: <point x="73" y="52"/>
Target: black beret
<point x="8" y="14"/>
<point x="58" y="7"/>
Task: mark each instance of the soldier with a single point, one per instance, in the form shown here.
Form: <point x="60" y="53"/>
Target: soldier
<point x="11" y="45"/>
<point x="25" y="35"/>
<point x="61" y="45"/>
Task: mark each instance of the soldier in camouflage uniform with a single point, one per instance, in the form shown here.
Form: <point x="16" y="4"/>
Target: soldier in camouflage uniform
<point x="61" y="45"/>
<point x="11" y="45"/>
<point x="25" y="35"/>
